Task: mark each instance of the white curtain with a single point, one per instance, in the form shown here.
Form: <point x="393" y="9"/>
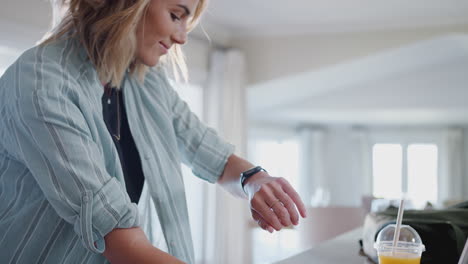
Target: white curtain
<point x="451" y="166"/>
<point x="333" y="157"/>
<point x="226" y="227"/>
<point x="363" y="159"/>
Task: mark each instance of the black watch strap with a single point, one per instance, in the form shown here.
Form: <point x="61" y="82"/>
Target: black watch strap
<point x="249" y="173"/>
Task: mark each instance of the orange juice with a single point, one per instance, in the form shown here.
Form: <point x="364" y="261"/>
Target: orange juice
<point x="399" y="260"/>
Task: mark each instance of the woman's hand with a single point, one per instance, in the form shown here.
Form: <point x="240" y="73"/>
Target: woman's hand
<point x="273" y="202"/>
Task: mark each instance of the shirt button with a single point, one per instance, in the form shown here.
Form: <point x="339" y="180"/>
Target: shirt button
<point x="86" y="199"/>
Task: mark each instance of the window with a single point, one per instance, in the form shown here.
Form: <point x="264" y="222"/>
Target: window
<point x="387" y="170"/>
<point x="422" y="173"/>
<point x="410" y="168"/>
<point x="280" y="158"/>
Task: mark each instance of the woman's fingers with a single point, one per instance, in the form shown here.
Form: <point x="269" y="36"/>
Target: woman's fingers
<point x="288" y="204"/>
<point x="270" y="206"/>
<point x="281" y="212"/>
<point x="259" y="205"/>
<point x="294" y="196"/>
<point x="261" y="222"/>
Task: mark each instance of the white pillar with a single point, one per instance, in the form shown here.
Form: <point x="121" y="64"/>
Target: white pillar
<point x="362" y="168"/>
<point x="312" y="178"/>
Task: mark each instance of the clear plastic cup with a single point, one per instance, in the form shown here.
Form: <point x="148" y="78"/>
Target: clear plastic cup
<point x="408" y="250"/>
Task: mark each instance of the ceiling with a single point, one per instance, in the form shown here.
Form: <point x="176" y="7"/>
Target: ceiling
<point x="420" y="84"/>
<point x="273" y="17"/>
<point x="247" y="17"/>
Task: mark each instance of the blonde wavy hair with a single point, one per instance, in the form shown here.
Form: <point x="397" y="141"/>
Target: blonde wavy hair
<point x="107" y="29"/>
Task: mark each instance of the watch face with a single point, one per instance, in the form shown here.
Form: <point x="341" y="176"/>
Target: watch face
<point x="248" y="173"/>
<point x="252" y="171"/>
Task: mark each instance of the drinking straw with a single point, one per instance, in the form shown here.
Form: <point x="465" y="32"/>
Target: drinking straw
<point x="398" y="224"/>
<point x="463" y="258"/>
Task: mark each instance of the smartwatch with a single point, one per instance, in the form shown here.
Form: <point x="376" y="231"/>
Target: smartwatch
<point x="249" y="173"/>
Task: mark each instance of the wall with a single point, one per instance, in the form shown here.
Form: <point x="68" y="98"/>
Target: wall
<point x="34" y="13"/>
<point x="15" y="39"/>
<point x="197" y="54"/>
<point x="344" y="177"/>
<point x="274" y="57"/>
<point x="24" y="22"/>
<point x="338" y="151"/>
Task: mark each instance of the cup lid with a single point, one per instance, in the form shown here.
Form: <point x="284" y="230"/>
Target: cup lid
<point x="409" y="238"/>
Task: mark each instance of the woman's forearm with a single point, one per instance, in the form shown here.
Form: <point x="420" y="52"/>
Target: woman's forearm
<point x="130" y="245"/>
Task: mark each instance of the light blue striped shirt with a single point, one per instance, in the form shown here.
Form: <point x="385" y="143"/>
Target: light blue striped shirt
<point x="61" y="183"/>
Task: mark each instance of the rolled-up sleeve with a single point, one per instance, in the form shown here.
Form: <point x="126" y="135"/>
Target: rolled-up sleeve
<point x="54" y="141"/>
<point x="211" y="156"/>
<point x="201" y="147"/>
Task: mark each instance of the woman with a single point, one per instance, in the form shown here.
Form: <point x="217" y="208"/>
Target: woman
<point x="85" y="121"/>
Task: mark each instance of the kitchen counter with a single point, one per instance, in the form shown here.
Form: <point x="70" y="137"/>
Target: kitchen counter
<point x="343" y="249"/>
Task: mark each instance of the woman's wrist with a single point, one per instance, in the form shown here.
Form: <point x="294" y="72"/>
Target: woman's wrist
<point x="247" y="174"/>
<point x="249" y="184"/>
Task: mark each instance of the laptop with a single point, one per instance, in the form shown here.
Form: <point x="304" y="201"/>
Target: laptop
<point x="464" y="256"/>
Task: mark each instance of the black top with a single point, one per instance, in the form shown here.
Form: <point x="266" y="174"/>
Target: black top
<point x="116" y="121"/>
